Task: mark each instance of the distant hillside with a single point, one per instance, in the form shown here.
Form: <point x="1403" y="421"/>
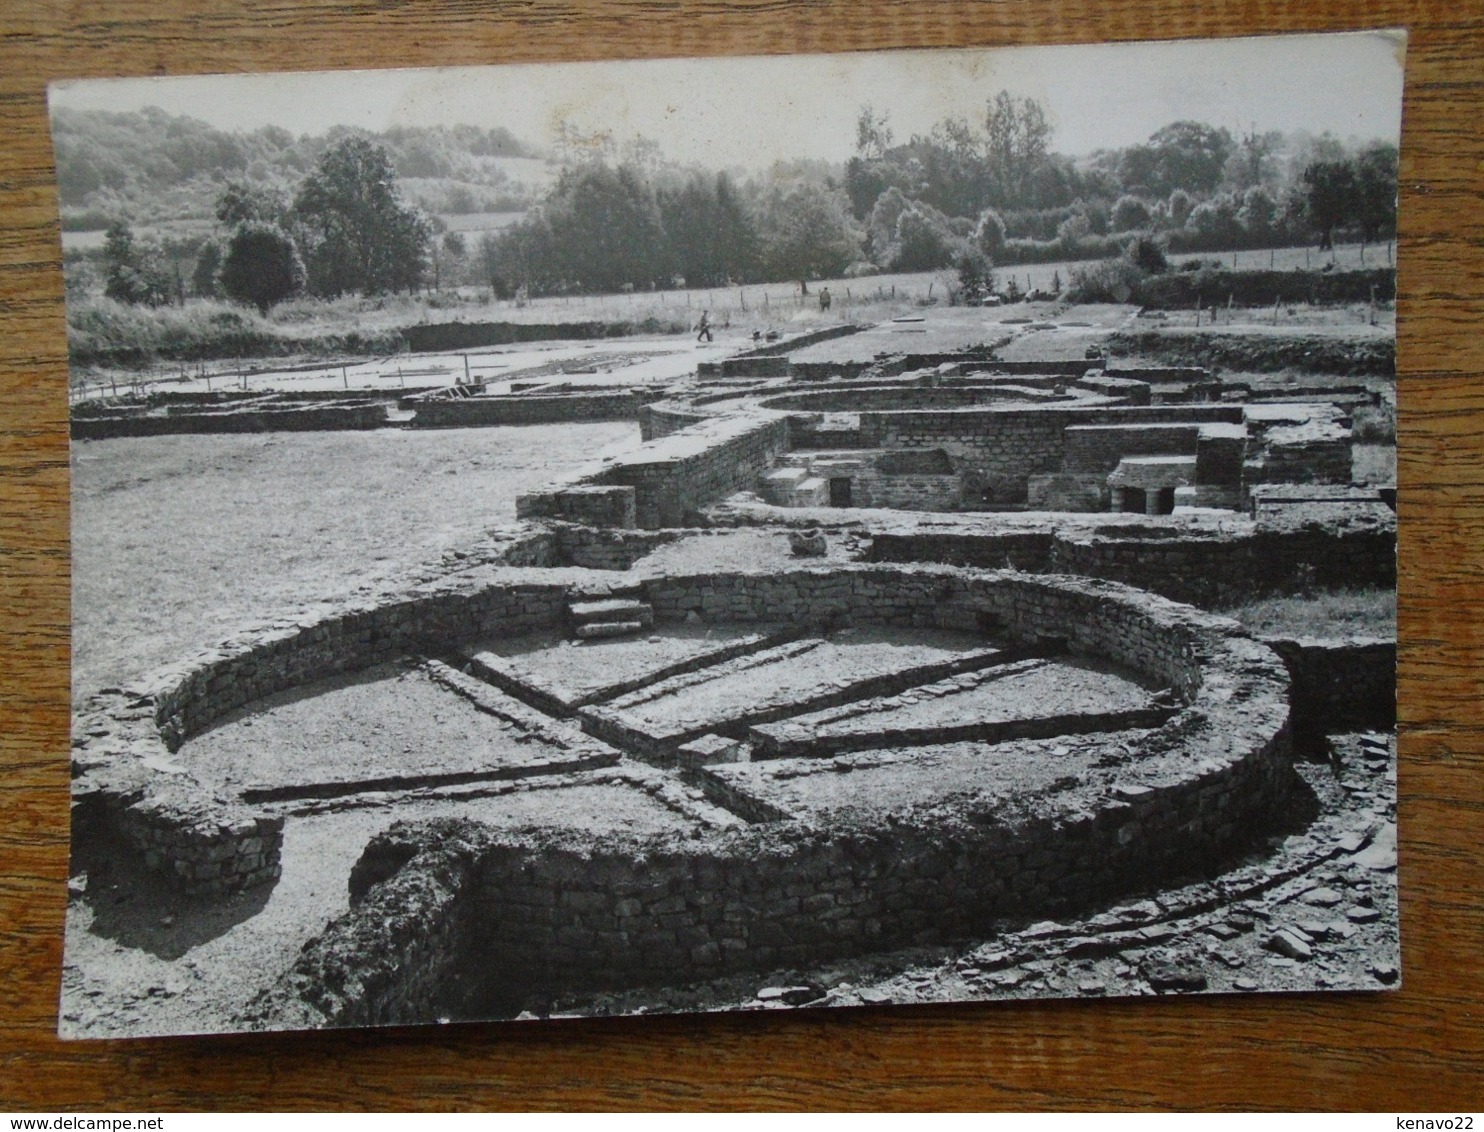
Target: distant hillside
<point x="151" y="167"/>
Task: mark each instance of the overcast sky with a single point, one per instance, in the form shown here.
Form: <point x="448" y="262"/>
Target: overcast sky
<point x="752" y="111"/>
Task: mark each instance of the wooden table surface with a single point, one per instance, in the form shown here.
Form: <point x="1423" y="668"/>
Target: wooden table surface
<point x="1416" y="1049"/>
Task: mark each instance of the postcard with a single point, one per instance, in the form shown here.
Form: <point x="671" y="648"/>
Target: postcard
<point x="732" y="534"/>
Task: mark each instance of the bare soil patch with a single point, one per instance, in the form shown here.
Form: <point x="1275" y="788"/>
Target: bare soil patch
<point x="741" y="686"/>
<point x="386" y="722"/>
<point x="581" y="667"/>
<point x="861" y="786"/>
<point x="179" y="541"/>
<point x="142" y="960"/>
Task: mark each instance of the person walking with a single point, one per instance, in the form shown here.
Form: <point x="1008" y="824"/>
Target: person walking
<point x="704" y="327"/>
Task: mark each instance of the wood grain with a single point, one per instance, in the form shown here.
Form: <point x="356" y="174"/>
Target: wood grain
<point x="1419" y="1048"/>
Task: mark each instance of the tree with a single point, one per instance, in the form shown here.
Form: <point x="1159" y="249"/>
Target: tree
<point x="1189" y="155"/>
<point x="1016" y="136"/>
<point x="807" y="231"/>
<point x="1329" y="197"/>
<point x="262" y="266"/>
<point x="1258" y="214"/>
<point x="1145" y="253"/>
<point x="1216" y="223"/>
<point x="359" y="235"/>
<point x="873" y="136"/>
<point x="989" y="235"/>
<point x="241" y="203"/>
<point x="924" y="242"/>
<point x="135" y="273"/>
<point x="1129" y="213"/>
<point x="205" y="281"/>
<point x="1181" y="204"/>
<point x="708" y="233"/>
<point x="1251" y="164"/>
<point x="881" y="225"/>
<point x="1375" y="190"/>
<point x="605" y="228"/>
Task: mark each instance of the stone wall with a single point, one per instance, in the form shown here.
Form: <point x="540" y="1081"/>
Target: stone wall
<point x="580" y="545"/>
<point x="562" y="911"/>
<point x="1211" y="569"/>
<point x="905" y="397"/>
<point x="123" y="773"/>
<point x="997" y="449"/>
<point x="1203" y="567"/>
<point x="1098" y="448"/>
<point x="660" y="420"/>
<point x="313" y="418"/>
<point x="1343" y="685"/>
<point x="527" y="408"/>
<point x="871" y="488"/>
<point x="674" y="476"/>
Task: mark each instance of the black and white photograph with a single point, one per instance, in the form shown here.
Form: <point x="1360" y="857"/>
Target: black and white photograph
<point x="731" y="534"/>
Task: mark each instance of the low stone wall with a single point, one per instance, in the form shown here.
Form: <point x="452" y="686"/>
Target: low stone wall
<point x="870" y="488"/>
<point x="674" y="476"/>
<point x="527" y="408"/>
<point x="580" y="545"/>
<point x="123" y="739"/>
<point x="656" y="421"/>
<point x="315" y="418"/>
<point x="1212" y="569"/>
<point x="445" y="336"/>
<point x="998" y="448"/>
<point x="875" y="398"/>
<point x="563" y="911"/>
<point x="1340" y="685"/>
<point x="1203" y="567"/>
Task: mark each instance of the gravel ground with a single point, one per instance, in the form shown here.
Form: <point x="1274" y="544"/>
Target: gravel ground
<point x="381" y="723"/>
<point x="864" y="786"/>
<point x="848" y="656"/>
<point x="140" y="959"/>
<point x="580" y="667"/>
<point x="180" y="541"/>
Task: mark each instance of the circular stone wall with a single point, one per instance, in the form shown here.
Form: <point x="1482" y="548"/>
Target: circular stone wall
<point x="565" y="909"/>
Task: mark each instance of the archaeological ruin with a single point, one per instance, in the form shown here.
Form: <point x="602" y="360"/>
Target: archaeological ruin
<point x="868" y="661"/>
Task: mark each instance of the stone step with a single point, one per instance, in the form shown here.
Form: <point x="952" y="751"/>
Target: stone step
<point x="610" y="610"/>
<point x="596" y="629"/>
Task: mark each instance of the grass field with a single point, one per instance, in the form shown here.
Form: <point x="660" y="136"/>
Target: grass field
<point x="179" y="541"/>
<point x="760" y="306"/>
<point x="1335" y="613"/>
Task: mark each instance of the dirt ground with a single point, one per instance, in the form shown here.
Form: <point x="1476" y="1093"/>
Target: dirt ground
<point x="385" y="723"/>
<point x="180" y="541"/>
<point x="140" y="959"/>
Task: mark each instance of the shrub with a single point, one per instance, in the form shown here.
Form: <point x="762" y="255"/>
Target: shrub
<point x="1145" y="253"/>
<point x="1129" y="213"/>
<point x="1111" y="281"/>
<point x="989" y="234"/>
<point x="262" y="267"/>
<point x="975" y="277"/>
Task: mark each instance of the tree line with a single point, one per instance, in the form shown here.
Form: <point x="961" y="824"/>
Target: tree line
<point x="970" y="195"/>
<point x="148" y="165"/>
<point x="346" y="229"/>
